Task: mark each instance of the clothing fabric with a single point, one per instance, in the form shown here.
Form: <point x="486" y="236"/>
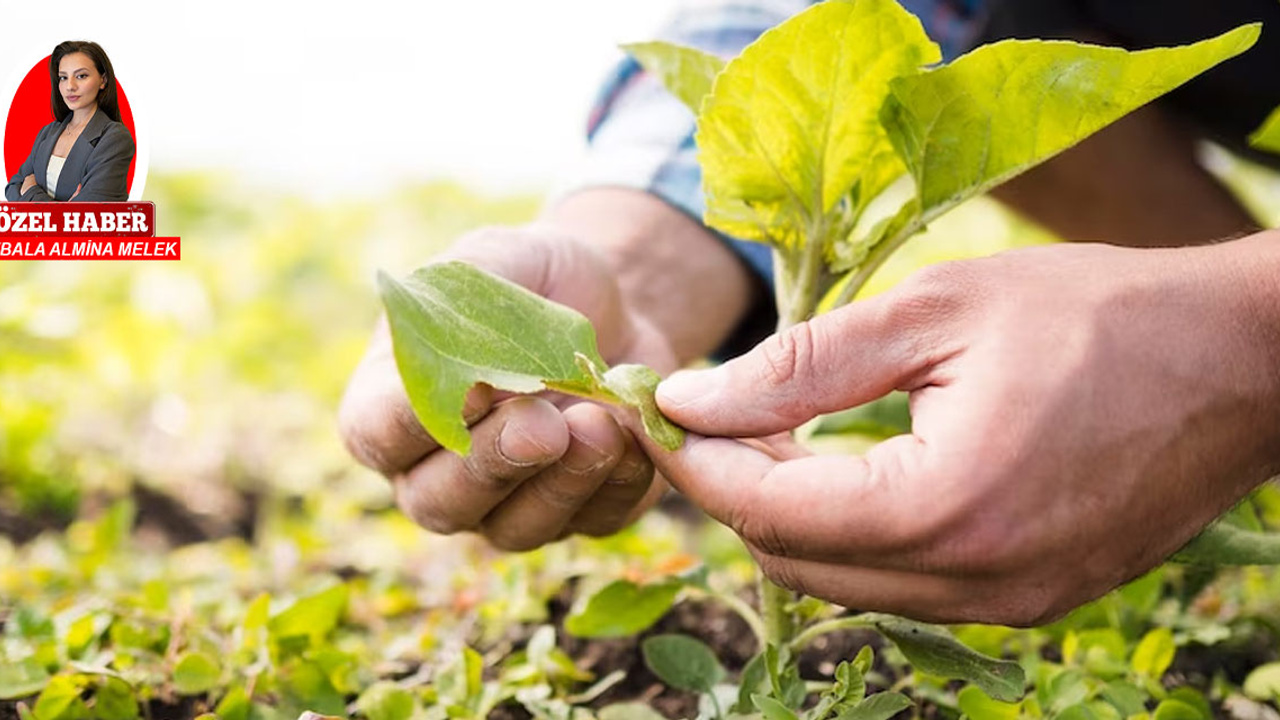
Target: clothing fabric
<point x="98" y="164"/>
<point x="55" y="169"/>
<point x="641" y="137"/>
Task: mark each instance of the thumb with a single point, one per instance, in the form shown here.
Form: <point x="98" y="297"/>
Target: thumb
<point x="833" y="362"/>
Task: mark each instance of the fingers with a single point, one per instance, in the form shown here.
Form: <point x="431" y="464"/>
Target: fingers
<point x="446" y="493"/>
<point x="833" y="362"/>
<point x="865" y="510"/>
<point x="540" y="509"/>
<point x="375" y="420"/>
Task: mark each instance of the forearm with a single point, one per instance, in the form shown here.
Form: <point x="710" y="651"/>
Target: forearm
<point x="1252" y="276"/>
<point x="670" y="268"/>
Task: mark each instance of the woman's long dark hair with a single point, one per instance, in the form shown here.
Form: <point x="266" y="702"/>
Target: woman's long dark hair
<point x="108" y="98"/>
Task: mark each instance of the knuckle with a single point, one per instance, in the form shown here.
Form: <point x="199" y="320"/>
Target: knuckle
<point x="423" y="513"/>
<point x="560" y="496"/>
<point x="487" y="477"/>
<point x="787" y="354"/>
<point x="933" y="291"/>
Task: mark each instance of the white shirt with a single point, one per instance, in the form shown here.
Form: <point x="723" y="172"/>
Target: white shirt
<point x="55" y="169"/>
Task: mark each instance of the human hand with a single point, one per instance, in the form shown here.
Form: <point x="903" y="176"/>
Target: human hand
<point x="27" y="183"/>
<point x="1079" y="413"/>
<point x="540" y="467"/>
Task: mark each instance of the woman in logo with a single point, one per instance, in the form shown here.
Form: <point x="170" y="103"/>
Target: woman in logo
<point x="84" y="155"/>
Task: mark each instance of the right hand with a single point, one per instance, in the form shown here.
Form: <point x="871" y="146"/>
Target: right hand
<point x="541" y="467"/>
<point x="27" y="183"/>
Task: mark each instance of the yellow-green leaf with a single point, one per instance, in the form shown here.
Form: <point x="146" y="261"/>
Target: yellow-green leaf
<point x="791" y="125"/>
<point x="1267" y="137"/>
<point x="1154" y="653"/>
<point x="1004" y="108"/>
<point x="687" y="72"/>
<point x="196" y="673"/>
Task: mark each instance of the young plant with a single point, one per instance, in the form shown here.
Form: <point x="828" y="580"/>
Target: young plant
<point x="834" y="138"/>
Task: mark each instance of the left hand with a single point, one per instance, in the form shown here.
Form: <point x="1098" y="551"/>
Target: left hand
<point x="1079" y="413"/>
<point x="27" y="183"/>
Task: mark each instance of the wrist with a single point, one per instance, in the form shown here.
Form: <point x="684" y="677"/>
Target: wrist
<point x="671" y="270"/>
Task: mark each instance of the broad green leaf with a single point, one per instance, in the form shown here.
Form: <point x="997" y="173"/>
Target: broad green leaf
<point x="454" y="326"/>
<point x="1267" y="137"/>
<point x="1222" y="543"/>
<point x="1264" y="682"/>
<point x="114" y="700"/>
<point x="1128" y="698"/>
<point x="313" y="616"/>
<point x="386" y="701"/>
<point x="235" y="705"/>
<point x="196" y="673"/>
<point x="979" y="706"/>
<point x="60" y="700"/>
<point x="682" y="662"/>
<point x="1006" y="107"/>
<point x="772" y="709"/>
<point x="933" y="650"/>
<point x="1154" y="653"/>
<point x="880" y="706"/>
<point x="1193" y="697"/>
<point x="306" y="685"/>
<point x="790" y="129"/>
<point x="1177" y="710"/>
<point x="687" y="72"/>
<point x="622" y="608"/>
<point x="629" y="711"/>
<point x="22" y="678"/>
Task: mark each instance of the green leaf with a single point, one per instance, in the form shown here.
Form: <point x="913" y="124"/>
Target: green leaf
<point x="880" y="706"/>
<point x="1264" y="682"/>
<point x="754" y="680"/>
<point x="1177" y="710"/>
<point x="682" y="662"/>
<point x="313" y="616"/>
<point x="635" y="385"/>
<point x="60" y="700"/>
<point x="1006" y="107"/>
<point x="306" y="685"/>
<point x="1128" y="698"/>
<point x="1154" y="653"/>
<point x="979" y="706"/>
<point x="196" y="673"/>
<point x="114" y="700"/>
<point x="235" y="705"/>
<point x="1267" y="137"/>
<point x="22" y="678"/>
<point x="772" y="709"/>
<point x="622" y="608"/>
<point x="1193" y="697"/>
<point x="386" y="701"/>
<point x="687" y="72"/>
<point x="1222" y="543"/>
<point x="453" y="326"/>
<point x="790" y="130"/>
<point x="629" y="711"/>
<point x="933" y="650"/>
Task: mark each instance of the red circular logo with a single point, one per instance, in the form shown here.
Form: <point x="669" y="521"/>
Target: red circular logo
<point x="30" y="111"/>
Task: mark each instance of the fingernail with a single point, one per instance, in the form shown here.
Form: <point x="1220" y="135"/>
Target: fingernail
<point x="687" y="387"/>
<point x="518" y="448"/>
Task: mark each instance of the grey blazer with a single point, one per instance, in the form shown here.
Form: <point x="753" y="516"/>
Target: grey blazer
<point x="98" y="164"/>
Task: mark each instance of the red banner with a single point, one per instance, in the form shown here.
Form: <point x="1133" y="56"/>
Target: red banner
<point x="65" y="219"/>
<point x="88" y="248"/>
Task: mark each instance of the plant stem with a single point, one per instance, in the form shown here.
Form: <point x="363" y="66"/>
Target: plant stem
<point x="874" y="260"/>
<point x="798" y="293"/>
<point x="833" y="625"/>
<point x="746" y="612"/>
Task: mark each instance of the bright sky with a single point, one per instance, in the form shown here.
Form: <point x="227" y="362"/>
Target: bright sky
<point x="336" y="103"/>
